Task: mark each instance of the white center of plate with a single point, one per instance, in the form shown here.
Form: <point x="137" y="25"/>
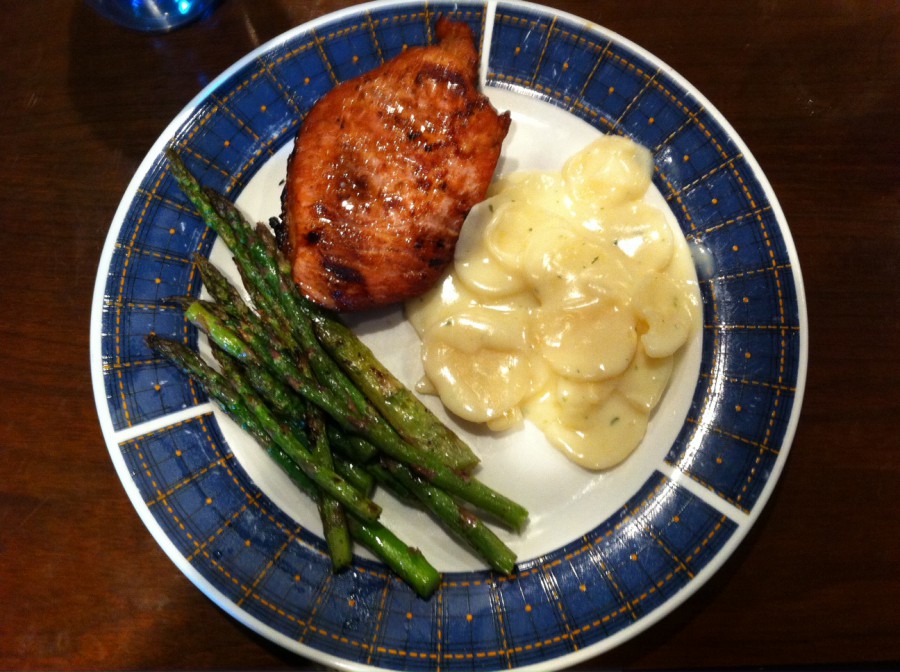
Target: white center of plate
<point x="565" y="501"/>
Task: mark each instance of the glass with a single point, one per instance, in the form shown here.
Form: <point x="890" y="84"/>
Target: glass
<point x="152" y="16"/>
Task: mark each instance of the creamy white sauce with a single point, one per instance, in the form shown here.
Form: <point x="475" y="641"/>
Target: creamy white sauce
<point x="567" y="301"/>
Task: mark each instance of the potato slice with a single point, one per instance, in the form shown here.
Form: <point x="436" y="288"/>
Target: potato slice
<point x="643" y="233"/>
<point x="479" y="362"/>
<point x="663" y="305"/>
<point x="600" y="439"/>
<point x="578" y="271"/>
<point x="610" y="171"/>
<point x="644" y="382"/>
<point x="576" y="398"/>
<point x="590" y="343"/>
<point x="475" y="266"/>
<point x="440" y="302"/>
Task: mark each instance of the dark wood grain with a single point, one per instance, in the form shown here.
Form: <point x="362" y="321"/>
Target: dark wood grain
<point x="812" y="87"/>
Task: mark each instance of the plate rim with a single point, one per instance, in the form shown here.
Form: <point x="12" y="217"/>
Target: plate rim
<point x="113" y="438"/>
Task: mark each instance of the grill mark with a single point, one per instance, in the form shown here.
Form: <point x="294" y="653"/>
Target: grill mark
<point x="455" y="80"/>
<point x="342" y="272"/>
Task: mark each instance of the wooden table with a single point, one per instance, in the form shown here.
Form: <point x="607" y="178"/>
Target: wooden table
<point x="814" y="90"/>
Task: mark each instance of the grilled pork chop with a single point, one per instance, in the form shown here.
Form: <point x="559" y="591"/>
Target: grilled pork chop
<point x="383" y="172"/>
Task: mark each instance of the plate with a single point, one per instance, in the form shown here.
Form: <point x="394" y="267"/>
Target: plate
<point x="605" y="555"/>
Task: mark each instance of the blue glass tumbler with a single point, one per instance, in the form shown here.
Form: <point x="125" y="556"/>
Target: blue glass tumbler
<point x="152" y="16"/>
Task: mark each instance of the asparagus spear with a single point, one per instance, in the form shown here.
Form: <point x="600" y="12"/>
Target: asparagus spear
<point x="462" y="522"/>
<point x="269" y="312"/>
<point x="361" y="479"/>
<point x="232" y="343"/>
<point x="228" y="224"/>
<point x="230" y="300"/>
<point x="334" y="522"/>
<point x="223" y="292"/>
<point x="437" y="473"/>
<point x="331" y="513"/>
<point x="353" y="446"/>
<point x="251" y="406"/>
<point x="406" y="562"/>
<point x="285" y="403"/>
<point x="233" y="335"/>
<point x="395" y="401"/>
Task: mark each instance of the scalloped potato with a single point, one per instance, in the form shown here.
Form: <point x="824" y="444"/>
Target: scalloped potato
<point x="568" y="299"/>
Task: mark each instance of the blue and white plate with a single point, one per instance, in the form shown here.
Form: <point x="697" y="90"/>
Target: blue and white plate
<point x="605" y="555"/>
